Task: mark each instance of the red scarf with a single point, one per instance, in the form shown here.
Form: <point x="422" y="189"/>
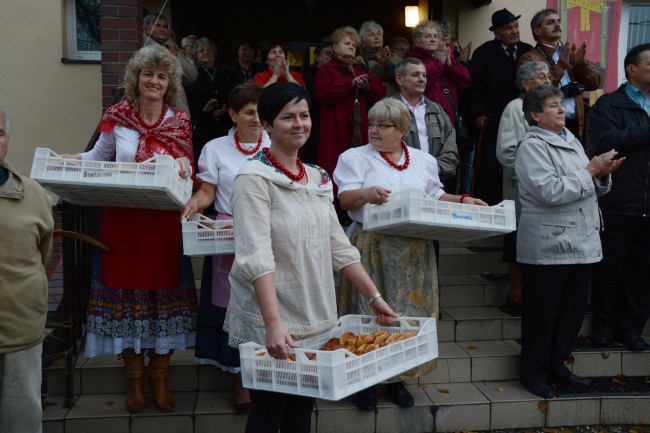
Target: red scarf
<point x="172" y="137"/>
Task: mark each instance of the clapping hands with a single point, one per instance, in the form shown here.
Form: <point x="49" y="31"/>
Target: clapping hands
<point x="604" y="164"/>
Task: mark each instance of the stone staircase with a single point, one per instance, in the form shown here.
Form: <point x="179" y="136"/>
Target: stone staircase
<point x="474" y="388"/>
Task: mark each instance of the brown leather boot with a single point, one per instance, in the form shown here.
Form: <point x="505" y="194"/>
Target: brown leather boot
<point x="134" y="368"/>
<point x="158" y="373"/>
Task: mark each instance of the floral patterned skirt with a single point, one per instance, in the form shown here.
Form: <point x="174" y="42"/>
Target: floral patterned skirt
<point x="405" y="272"/>
<point x="140" y="319"/>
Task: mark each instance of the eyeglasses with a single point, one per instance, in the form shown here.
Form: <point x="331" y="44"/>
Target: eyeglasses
<point x="380" y="126"/>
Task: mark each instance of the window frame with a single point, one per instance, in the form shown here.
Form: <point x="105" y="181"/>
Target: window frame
<point x="624" y="32"/>
<point x="73" y="54"/>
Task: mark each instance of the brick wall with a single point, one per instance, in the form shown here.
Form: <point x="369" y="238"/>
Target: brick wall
<point x="121" y="30"/>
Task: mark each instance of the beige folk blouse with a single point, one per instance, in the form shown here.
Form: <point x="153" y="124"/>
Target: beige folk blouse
<point x="290" y="230"/>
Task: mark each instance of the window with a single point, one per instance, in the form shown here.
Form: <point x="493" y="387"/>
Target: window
<point x="83" y="32"/>
<point x="635" y="29"/>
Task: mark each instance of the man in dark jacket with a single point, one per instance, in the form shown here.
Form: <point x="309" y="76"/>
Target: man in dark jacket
<point x="492" y="68"/>
<point x="621" y="286"/>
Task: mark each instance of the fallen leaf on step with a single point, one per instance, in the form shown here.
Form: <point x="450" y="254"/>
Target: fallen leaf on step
<point x="110" y="403"/>
<point x="542" y="405"/>
<point x="550" y="430"/>
<point x="570" y="360"/>
<point x="618" y="381"/>
<point x="470" y="347"/>
<point x="605" y="354"/>
<point x="500" y="389"/>
<point x="566" y="430"/>
<point x="443" y="390"/>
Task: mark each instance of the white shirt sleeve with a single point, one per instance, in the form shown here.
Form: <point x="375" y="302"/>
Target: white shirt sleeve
<point x="350" y="172"/>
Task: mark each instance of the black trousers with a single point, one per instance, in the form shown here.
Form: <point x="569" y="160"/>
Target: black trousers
<point x="272" y="412"/>
<point x="489" y="178"/>
<point x="620" y="293"/>
<point x="554" y="301"/>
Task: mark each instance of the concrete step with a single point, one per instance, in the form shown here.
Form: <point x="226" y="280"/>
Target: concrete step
<point x="469" y="406"/>
<point x="466" y="361"/>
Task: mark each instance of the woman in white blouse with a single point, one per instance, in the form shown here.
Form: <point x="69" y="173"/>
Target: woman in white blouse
<point x="287" y="242"/>
<point x="404" y="269"/>
<point x="219" y="163"/>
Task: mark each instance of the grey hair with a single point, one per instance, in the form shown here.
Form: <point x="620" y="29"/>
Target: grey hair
<point x="526" y="72"/>
<point x="536" y="98"/>
<point x="150" y="20"/>
<point x="443" y="25"/>
<point x="204" y="41"/>
<point x="538" y="18"/>
<point x="419" y="29"/>
<point x="401" y="66"/>
<point x="5" y="119"/>
<point x="392" y="110"/>
<point x="368" y="25"/>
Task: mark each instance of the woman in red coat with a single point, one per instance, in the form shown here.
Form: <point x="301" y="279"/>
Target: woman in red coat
<point x="345" y="89"/>
<point x="440" y="65"/>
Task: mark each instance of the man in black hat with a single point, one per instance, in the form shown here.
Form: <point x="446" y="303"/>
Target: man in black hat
<point x="492" y="68"/>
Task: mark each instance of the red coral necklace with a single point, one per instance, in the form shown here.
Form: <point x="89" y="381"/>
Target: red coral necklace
<point x="245" y="151"/>
<point x="158" y="122"/>
<point x="395" y="165"/>
<point x="285" y="170"/>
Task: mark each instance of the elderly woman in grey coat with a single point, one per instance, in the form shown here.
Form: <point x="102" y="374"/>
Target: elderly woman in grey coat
<point x="557" y="238"/>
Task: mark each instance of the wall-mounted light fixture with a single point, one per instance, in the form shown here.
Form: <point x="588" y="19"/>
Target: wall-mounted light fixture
<point x="411" y="16"/>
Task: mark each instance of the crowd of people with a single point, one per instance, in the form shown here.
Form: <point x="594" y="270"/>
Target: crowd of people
<point x="291" y="159"/>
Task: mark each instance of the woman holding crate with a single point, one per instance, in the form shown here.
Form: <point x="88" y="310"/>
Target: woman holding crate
<point x="287" y="242"/>
<point x="143" y="297"/>
<point x="218" y="165"/>
<point x="404" y="269"/>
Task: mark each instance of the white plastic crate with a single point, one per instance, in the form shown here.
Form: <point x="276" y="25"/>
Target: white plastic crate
<point x="151" y="184"/>
<point x="205" y="237"/>
<point x="337" y="374"/>
<point x="411" y="213"/>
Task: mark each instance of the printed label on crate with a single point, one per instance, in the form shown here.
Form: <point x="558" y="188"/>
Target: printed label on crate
<point x="96" y="174"/>
<point x="457" y="216"/>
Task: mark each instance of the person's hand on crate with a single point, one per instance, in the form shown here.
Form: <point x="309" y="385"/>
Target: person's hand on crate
<point x="382" y="310"/>
<point x="278" y="339"/>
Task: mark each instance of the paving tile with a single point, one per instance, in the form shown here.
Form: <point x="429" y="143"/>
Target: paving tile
<point x="54" y="409"/>
<point x="171" y="423"/>
<point x="459" y="406"/>
<point x="593" y="363"/>
<point x="470" y="313"/>
<point x="211" y="402"/>
<point x="453" y="365"/>
<point x="480" y="263"/>
<point x="446" y="327"/>
<point x="513" y="406"/>
<point x="335" y="416"/>
<point x="490" y="329"/>
<point x="97" y="425"/>
<point x="452" y="262"/>
<point x="635" y="363"/>
<point x="625" y="410"/>
<point x="396" y="419"/>
<point x="511" y="328"/>
<point x="98" y="406"/>
<point x="470" y="295"/>
<point x="211" y="423"/>
<point x="214" y="379"/>
<point x="495" y="294"/>
<point x="573" y="411"/>
<point x="54" y="426"/>
<point x="103" y="374"/>
<point x="183" y="378"/>
<point x="492" y="360"/>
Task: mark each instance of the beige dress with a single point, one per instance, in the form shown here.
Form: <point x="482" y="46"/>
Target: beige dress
<point x="292" y="231"/>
